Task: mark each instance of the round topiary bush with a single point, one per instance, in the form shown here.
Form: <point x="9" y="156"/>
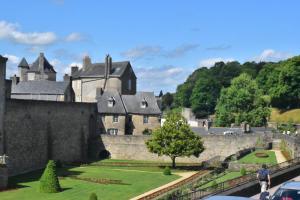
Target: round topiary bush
<point x="167" y="171"/>
<point x="93" y="196"/>
<point x="243" y="171"/>
<point x="261" y="155"/>
<point x="49" y="181"/>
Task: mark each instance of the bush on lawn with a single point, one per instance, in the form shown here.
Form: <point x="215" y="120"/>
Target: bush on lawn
<point x="167" y="171"/>
<point x="243" y="171"/>
<point x="93" y="196"/>
<point x="49" y="181"/>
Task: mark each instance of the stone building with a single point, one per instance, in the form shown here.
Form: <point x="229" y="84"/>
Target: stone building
<point x="38" y="82"/>
<point x="109" y="75"/>
<point x="128" y="114"/>
<point x="40" y="69"/>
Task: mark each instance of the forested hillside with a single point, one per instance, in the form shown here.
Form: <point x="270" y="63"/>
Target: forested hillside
<point x="279" y="82"/>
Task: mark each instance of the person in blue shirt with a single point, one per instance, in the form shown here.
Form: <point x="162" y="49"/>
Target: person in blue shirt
<point x="263" y="176"/>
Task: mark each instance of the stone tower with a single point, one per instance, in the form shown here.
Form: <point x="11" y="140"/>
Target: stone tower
<point x="3" y="61"/>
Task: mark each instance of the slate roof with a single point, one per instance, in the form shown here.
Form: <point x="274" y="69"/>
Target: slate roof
<point x="23" y="64"/>
<point x="47" y="66"/>
<point x="40" y="87"/>
<point x="98" y="70"/>
<point x="102" y="103"/>
<point x="133" y="103"/>
<point x="128" y="103"/>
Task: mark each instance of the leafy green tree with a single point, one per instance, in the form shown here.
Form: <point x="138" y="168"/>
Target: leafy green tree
<point x="167" y="100"/>
<point x="49" y="181"/>
<point x="204" y="96"/>
<point x="242" y="101"/>
<point x="175" y="139"/>
<point x="183" y="94"/>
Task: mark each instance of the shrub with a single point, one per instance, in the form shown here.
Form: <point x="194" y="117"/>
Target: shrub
<point x="49" y="181"/>
<point x="147" y="131"/>
<point x="214" y="184"/>
<point x="243" y="171"/>
<point x="167" y="171"/>
<point x="93" y="196"/>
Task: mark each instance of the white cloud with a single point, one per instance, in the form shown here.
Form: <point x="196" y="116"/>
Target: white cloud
<point x="270" y="55"/>
<point x="12" y="64"/>
<point x="73" y="37"/>
<point x="10" y="31"/>
<point x="181" y="50"/>
<point x="211" y="61"/>
<point x="142" y="51"/>
<point x="165" y="78"/>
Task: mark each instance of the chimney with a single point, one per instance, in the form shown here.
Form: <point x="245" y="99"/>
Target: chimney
<point x="67" y="78"/>
<point x="15" y="80"/>
<point x="99" y="92"/>
<point x="74" y="69"/>
<point x="86" y="62"/>
<point x="108" y="65"/>
<point x="41" y="62"/>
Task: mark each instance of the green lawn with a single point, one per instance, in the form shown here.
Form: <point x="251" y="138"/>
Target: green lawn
<point x="285" y="116"/>
<point x="251" y="158"/>
<point x="226" y="177"/>
<point x="134" y="182"/>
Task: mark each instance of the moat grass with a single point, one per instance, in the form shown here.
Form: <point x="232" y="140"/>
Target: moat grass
<point x="251" y="158"/>
<point x="228" y="176"/>
<point x="285" y="116"/>
<point x="129" y="183"/>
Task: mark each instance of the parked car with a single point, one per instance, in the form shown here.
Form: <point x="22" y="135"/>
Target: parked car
<point x="228" y="132"/>
<point x="227" y="198"/>
<point x="287" y="191"/>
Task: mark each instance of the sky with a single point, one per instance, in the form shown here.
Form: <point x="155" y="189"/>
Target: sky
<point x="164" y="41"/>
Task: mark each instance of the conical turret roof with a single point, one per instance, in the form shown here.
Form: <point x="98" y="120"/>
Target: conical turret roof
<point x="23" y="64"/>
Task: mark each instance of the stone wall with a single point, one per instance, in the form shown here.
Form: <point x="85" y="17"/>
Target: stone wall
<point x="139" y="126"/>
<point x="3" y="177"/>
<point x="133" y="147"/>
<point x="293" y="143"/>
<point x="36" y="131"/>
<point x="108" y="123"/>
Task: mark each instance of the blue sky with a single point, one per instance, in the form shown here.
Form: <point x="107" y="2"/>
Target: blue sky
<point x="164" y="40"/>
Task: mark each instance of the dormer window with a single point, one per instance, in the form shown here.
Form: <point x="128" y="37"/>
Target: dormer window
<point x="144" y="103"/>
<point x="111" y="101"/>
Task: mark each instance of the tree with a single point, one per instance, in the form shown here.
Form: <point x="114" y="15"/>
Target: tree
<point x="204" y="96"/>
<point x="243" y="101"/>
<point x="175" y="139"/>
<point x="167" y="100"/>
<point x="161" y="94"/>
<point x="49" y="181"/>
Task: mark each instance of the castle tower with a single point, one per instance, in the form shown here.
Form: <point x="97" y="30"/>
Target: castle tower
<point x="23" y="67"/>
<point x="3" y="61"/>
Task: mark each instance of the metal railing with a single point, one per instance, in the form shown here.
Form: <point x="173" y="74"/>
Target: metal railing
<point x="230" y="184"/>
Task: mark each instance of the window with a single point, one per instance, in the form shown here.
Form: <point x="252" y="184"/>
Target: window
<point x="144" y="103"/>
<point x="111" y="102"/>
<point x="112" y="131"/>
<point x="115" y="118"/>
<point x="146" y="118"/>
<point x="129" y="84"/>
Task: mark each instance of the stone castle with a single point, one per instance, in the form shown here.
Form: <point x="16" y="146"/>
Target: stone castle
<point x="111" y="85"/>
<point x="32" y="132"/>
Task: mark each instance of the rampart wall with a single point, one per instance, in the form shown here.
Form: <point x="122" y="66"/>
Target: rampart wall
<point x="133" y="147"/>
<point x="36" y="131"/>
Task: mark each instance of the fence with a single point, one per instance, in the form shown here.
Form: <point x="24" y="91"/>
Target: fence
<point x="227" y="185"/>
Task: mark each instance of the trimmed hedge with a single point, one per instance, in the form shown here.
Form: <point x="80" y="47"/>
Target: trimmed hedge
<point x="49" y="181"/>
<point x="167" y="171"/>
<point x="93" y="196"/>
